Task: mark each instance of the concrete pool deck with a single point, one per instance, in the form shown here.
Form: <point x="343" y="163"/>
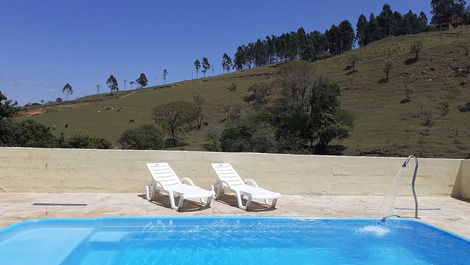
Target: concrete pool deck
<point x="445" y="212"/>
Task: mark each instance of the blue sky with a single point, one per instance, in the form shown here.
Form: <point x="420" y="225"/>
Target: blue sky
<point x="47" y="43"/>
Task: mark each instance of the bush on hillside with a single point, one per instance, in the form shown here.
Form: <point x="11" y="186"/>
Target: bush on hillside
<point x="236" y="139"/>
<point x="306" y="118"/>
<point x="32" y="134"/>
<point x="145" y="137"/>
<point x="88" y="142"/>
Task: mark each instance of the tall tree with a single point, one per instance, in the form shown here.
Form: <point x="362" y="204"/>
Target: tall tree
<point x="301" y="40"/>
<point x="199" y="102"/>
<point x="423" y="19"/>
<point x="68" y="90"/>
<point x="240" y="58"/>
<point x="8" y="130"/>
<point x="361" y="31"/>
<point x="308" y="107"/>
<point x="174" y="117"/>
<point x="385" y="20"/>
<point x="205" y="65"/>
<point x="112" y="83"/>
<point x="142" y="80"/>
<point x="333" y="36"/>
<point x="346" y="35"/>
<point x="8" y="108"/>
<point x="165" y="74"/>
<point x="226" y="62"/>
<point x="197" y="65"/>
<point x="444" y="10"/>
<point x="373" y="29"/>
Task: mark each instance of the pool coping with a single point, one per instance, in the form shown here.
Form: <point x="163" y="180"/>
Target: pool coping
<point x="97" y="219"/>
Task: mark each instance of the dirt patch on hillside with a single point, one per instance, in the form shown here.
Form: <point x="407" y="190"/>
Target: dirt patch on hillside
<point x="32" y="112"/>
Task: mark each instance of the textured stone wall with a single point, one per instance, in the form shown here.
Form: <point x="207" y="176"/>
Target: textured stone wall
<point x="462" y="183"/>
<point x="74" y="170"/>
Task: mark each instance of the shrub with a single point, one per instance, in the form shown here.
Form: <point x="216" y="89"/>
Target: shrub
<point x="352" y="62"/>
<point x="415" y="48"/>
<point x="32" y="134"/>
<point x="465" y="108"/>
<point x="232" y="87"/>
<point x="234" y="112"/>
<point x="88" y="142"/>
<point x="7" y="132"/>
<point x="387" y="68"/>
<point x="264" y="140"/>
<point x="213" y="135"/>
<point x="236" y="139"/>
<point x="259" y="94"/>
<point x="145" y="137"/>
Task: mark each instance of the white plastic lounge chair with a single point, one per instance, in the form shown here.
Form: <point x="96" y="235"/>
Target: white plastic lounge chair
<point x="165" y="181"/>
<point x="231" y="181"/>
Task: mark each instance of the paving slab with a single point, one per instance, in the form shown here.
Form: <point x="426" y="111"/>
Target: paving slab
<point x="445" y="212"/>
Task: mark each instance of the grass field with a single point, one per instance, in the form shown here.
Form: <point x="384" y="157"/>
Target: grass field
<point x="430" y="125"/>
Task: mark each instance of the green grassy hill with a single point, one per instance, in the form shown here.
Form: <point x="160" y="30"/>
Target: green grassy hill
<point x="429" y="125"/>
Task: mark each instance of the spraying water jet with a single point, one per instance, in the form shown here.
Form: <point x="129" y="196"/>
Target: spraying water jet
<point x="389" y="199"/>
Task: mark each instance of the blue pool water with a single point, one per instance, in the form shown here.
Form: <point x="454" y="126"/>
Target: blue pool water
<point x="221" y="240"/>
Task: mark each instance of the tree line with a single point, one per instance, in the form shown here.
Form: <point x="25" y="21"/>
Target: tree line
<point x="342" y="37"/>
<point x="336" y="40"/>
<point x="113" y="84"/>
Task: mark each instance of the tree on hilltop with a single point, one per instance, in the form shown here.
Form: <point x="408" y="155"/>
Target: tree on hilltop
<point x="197" y="65"/>
<point x="205" y="65"/>
<point x="361" y="31"/>
<point x="112" y="83"/>
<point x="165" y="74"/>
<point x="142" y="80"/>
<point x="68" y="90"/>
<point x="226" y="62"/>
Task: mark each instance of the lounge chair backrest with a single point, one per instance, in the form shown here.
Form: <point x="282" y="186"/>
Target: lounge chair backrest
<point x="225" y="172"/>
<point x="163" y="173"/>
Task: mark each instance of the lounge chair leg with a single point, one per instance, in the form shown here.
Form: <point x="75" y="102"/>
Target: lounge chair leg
<point x="240" y="201"/>
<point x="151" y="191"/>
<point x="172" y="201"/>
<point x="147" y="193"/>
<point x="248" y="203"/>
<point x="180" y="203"/>
<point x="208" y="202"/>
<point x="219" y="189"/>
<point x="273" y="204"/>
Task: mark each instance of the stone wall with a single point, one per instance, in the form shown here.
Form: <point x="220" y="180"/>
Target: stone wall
<point x="78" y="170"/>
<point x="462" y="183"/>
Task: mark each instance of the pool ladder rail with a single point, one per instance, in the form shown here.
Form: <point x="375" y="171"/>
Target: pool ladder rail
<point x="415" y="173"/>
<point x="413" y="182"/>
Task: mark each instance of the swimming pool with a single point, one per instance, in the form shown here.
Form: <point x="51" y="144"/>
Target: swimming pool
<point x="229" y="240"/>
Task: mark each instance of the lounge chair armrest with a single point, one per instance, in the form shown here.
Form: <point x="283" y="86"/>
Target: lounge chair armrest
<point x="251" y="182"/>
<point x="221" y="183"/>
<point x="188" y="180"/>
<point x="157" y="184"/>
